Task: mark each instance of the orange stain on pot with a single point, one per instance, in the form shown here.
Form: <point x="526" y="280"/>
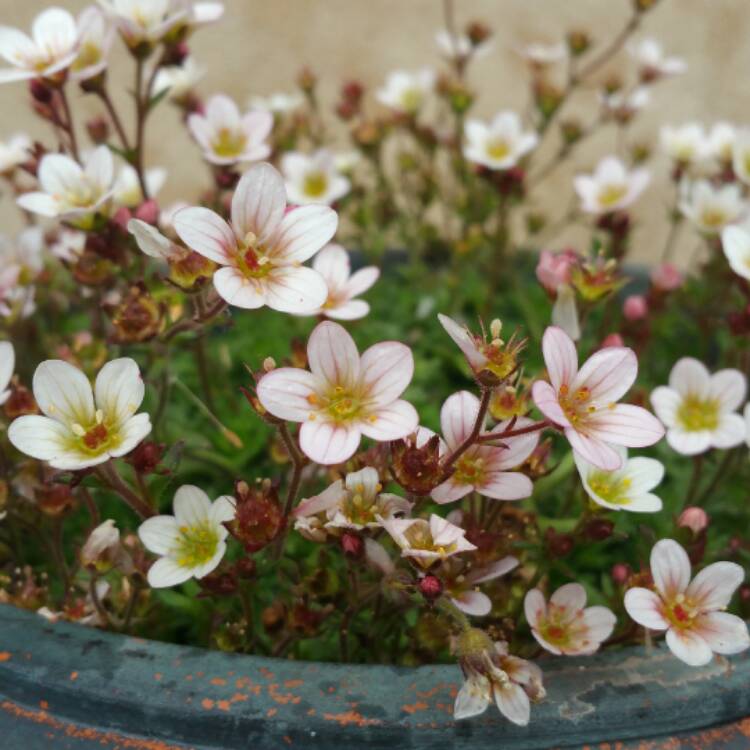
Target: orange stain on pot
<point x="223" y="705"/>
<point x="351" y="717"/>
<point x="73" y="676"/>
<point x="272" y="712"/>
<point x="207" y="703"/>
<point x="414" y="707"/>
<point x="218" y="681"/>
<point x="5" y="655"/>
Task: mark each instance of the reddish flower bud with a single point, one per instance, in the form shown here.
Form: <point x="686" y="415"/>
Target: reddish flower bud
<point x="148" y="211"/>
<point x="478" y="32"/>
<point x="620" y="573"/>
<point x="635" y="307"/>
<point x="352" y="545"/>
<point x="558" y="545"/>
<point x="612" y="339"/>
<point x="667" y="277"/>
<point x="98" y="129"/>
<point x="145" y="458"/>
<point x="258" y="517"/>
<point x="431" y="587"/>
<point x="122" y="217"/>
<point x="20" y="402"/>
<point x="40" y="91"/>
<point x="54" y="499"/>
<point x="695" y="519"/>
<point x="599" y="529"/>
<point x="352" y="91"/>
<point x="417" y="469"/>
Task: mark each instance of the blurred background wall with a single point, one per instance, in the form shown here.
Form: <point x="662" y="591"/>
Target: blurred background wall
<point x="260" y="46"/>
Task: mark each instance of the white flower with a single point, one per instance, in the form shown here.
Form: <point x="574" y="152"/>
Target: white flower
<point x="624" y="104"/>
<point x="690" y="611"/>
<point x="278" y="103"/>
<point x="464" y="589"/>
<point x="712" y="208"/>
<point x="192" y="542"/>
<point x="95" y="36"/>
<point x="541" y="55"/>
<point x="7" y="365"/>
<point x="565" y="625"/>
<point x="314" y="178"/>
<point x="406" y="92"/>
<point x="228" y="137"/>
<point x="698" y="408"/>
<point x="148" y="21"/>
<point x="69" y="191"/>
<point x="740" y="155"/>
<point x="179" y="79"/>
<point x="460" y="46"/>
<point x="25" y="252"/>
<point x="652" y="62"/>
<point x="720" y="143"/>
<point x="82" y="427"/>
<point x="494" y="676"/>
<point x="499" y="145"/>
<point x="626" y="488"/>
<point x="735" y="240"/>
<point x="127" y="188"/>
<point x="14" y="152"/>
<point x="611" y="188"/>
<point x="426" y="542"/>
<point x="69" y="245"/>
<point x="47" y="53"/>
<point x="332" y="263"/>
<point x="357" y="504"/>
<point x="9" y="290"/>
<point x="261" y="253"/>
<point x="685" y="144"/>
<point x="103" y="549"/>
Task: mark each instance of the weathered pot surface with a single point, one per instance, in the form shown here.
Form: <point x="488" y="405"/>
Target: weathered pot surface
<point x="66" y="686"/>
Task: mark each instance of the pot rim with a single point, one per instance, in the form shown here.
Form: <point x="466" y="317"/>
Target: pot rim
<point x="83" y="677"/>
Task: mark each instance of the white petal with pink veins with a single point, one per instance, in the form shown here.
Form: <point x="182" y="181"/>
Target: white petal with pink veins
<point x="464" y="340"/>
<point x="259" y="202"/>
<point x="474" y="603"/>
<point x="534" y="607"/>
<point x="332" y="263"/>
<point x="295" y="289"/>
<point x="360" y="281"/>
<point x="505" y="485"/>
<point x="304" y="231"/>
<point x="392" y="422"/>
<point x="387" y="369"/>
<point x="493" y="570"/>
<point x="625" y="424"/>
<point x="513" y="703"/>
<point x="600" y="622"/>
<point x="457" y="417"/>
<point x="450" y="491"/>
<point x="608" y="374"/>
<point x="546" y="400"/>
<point x="327" y="443"/>
<point x="724" y="633"/>
<point x="596" y="452"/>
<point x="560" y="357"/>
<point x="63" y="392"/>
<point x="713" y="587"/>
<point x="670" y="568"/>
<point x="689" y="647"/>
<point x="237" y="290"/>
<point x="333" y="355"/>
<point x="646" y="608"/>
<point x="207" y="233"/>
<point x="288" y="393"/>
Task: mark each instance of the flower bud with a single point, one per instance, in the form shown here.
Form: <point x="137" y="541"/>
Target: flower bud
<point x="578" y="42"/>
<point x="138" y="317"/>
<point x="145" y="458"/>
<point x="667" y="277"/>
<point x="40" y="91"/>
<point x="478" y="32"/>
<point x="635" y="307"/>
<point x="612" y="339"/>
<point x="431" y="587"/>
<point x="54" y="499"/>
<point x="352" y="545"/>
<point x="599" y="529"/>
<point x="307" y="80"/>
<point x="20" y="402"/>
<point x="148" y="211"/>
<point x="558" y="545"/>
<point x="620" y="573"/>
<point x="695" y="519"/>
<point x="417" y="467"/>
<point x="258" y="518"/>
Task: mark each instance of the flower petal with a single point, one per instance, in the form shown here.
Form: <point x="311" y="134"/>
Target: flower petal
<point x="360" y="281"/>
<point x="206" y="232"/>
<point x="728" y="387"/>
<point x="387" y="369"/>
<point x="600" y="622"/>
<point x="560" y="357"/>
<point x="571" y="597"/>
<point x="237" y="290"/>
<point x="724" y="633"/>
<point x="296" y="290"/>
<point x="327" y="443"/>
<point x="512" y="702"/>
<point x="670" y="568"/>
<point x="608" y="374"/>
<point x="40" y="437"/>
<point x="505" y="485"/>
<point x="333" y="355"/>
<point x="450" y="491"/>
<point x="304" y="231"/>
<point x="286" y="393"/>
<point x="646" y="608"/>
<point x="392" y="422"/>
<point x="689" y="646"/>
<point x="602" y="455"/>
<point x="546" y="400"/>
<point x="159" y="534"/>
<point x="63" y="392"/>
<point x="730" y="431"/>
<point x="119" y="389"/>
<point x="131" y="433"/>
<point x="625" y="424"/>
<point x="689" y="376"/>
<point x="457" y="417"/>
<point x="464" y="340"/>
<point x="166" y="572"/>
<point x="474" y="603"/>
<point x="689" y="443"/>
<point x="473" y="698"/>
<point x="535" y="607"/>
<point x="259" y="202"/>
<point x="713" y="587"/>
<point x="643" y="474"/>
<point x="191" y="505"/>
<point x="493" y="570"/>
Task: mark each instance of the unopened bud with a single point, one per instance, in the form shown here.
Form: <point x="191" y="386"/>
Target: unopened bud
<point x="635" y="308"/>
<point x="269" y="363"/>
<point x="431" y="587"/>
<point x="40" y="91"/>
<point x="693" y="518"/>
<point x="352" y="545"/>
<point x="148" y="211"/>
<point x="620" y="573"/>
<point x="599" y="529"/>
<point x="98" y="129"/>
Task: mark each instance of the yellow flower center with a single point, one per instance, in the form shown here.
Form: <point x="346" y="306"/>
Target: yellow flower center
<point x="411" y="100"/>
<point x="610" y="488"/>
<point x="612" y="194"/>
<point x="252" y="258"/>
<point x="498" y="149"/>
<point x="713" y="217"/>
<point x="315" y="185"/>
<point x="469" y="469"/>
<point x="420" y="538"/>
<point x="90" y="54"/>
<point x="229" y="143"/>
<point x="681" y="612"/>
<point x="360" y="509"/>
<point x="575" y="405"/>
<point x="343" y="404"/>
<point x="197" y="544"/>
<point x="95" y="438"/>
<point x="696" y="413"/>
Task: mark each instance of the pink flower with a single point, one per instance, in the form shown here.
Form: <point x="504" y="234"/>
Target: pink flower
<point x="566" y="625"/>
<point x="344" y="396"/>
<point x="690" y="611"/>
<point x="611" y="339"/>
<point x="332" y="263"/>
<point x="584" y="402"/>
<point x="483" y="468"/>
<point x="261" y="252"/>
<point x="635" y="307"/>
<point x="695" y="519"/>
<point x="667" y="277"/>
<point x="554" y="269"/>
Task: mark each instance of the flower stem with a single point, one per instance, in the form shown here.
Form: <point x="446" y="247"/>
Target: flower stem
<point x="484" y="404"/>
<point x="109" y="474"/>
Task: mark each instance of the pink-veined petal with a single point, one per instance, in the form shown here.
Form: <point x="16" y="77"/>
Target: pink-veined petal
<point x="237" y="290"/>
<point x="600" y="622"/>
<point x="546" y="400"/>
<point x="493" y="570"/>
<point x="512" y="702"/>
<point x="207" y="233"/>
<point x="646" y="608"/>
<point x="560" y="357"/>
<point x="505" y="485"/>
<point x="595" y="451"/>
<point x="288" y="393"/>
<point x="392" y="422"/>
<point x="474" y="603"/>
<point x="333" y="355"/>
<point x="304" y="231"/>
<point x="724" y="633"/>
<point x="608" y="374"/>
<point x="534" y="607"/>
<point x="464" y="340"/>
<point x="327" y="443"/>
<point x="625" y="424"/>
<point x="670" y="568"/>
<point x="713" y="587"/>
<point x="457" y="417"/>
<point x="360" y="281"/>
<point x="259" y="202"/>
<point x="295" y="289"/>
<point x="450" y="491"/>
<point x="386" y="370"/>
<point x="689" y="646"/>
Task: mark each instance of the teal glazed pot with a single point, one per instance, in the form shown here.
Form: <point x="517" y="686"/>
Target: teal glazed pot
<point x="68" y="687"/>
